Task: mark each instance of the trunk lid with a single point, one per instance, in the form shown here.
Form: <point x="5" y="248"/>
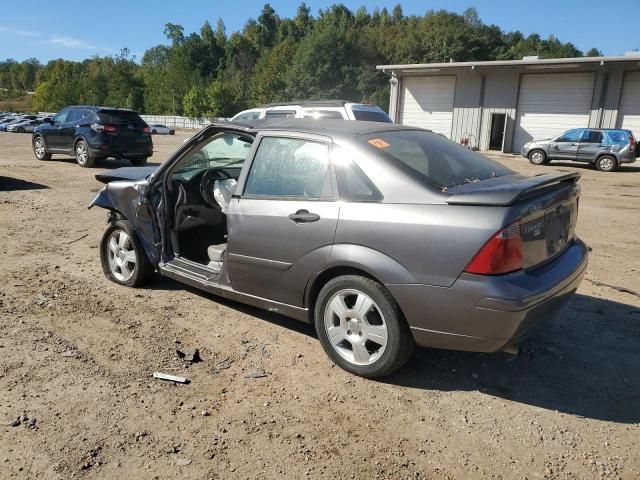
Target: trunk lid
<point x="544" y="206"/>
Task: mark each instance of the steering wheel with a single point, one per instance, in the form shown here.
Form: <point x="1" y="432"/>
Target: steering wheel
<point x="207" y="183"/>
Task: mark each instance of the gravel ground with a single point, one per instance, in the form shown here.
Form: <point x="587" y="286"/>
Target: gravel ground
<point x="77" y="352"/>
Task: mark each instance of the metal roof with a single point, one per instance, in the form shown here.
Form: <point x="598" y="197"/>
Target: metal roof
<point x="511" y="63"/>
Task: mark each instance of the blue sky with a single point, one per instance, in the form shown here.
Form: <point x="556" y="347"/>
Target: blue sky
<point x="64" y="29"/>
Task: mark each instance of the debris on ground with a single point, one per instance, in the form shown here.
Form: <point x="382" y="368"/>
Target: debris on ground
<point x="191" y="356"/>
<point x="170" y="378"/>
<point x="256" y="374"/>
<point x="222" y="365"/>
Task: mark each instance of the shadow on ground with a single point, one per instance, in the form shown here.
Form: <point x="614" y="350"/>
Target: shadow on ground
<point x="8" y="184"/>
<point x="584" y="362"/>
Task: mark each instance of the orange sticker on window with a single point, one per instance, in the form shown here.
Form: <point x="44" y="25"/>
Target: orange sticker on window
<point x="379" y="143"/>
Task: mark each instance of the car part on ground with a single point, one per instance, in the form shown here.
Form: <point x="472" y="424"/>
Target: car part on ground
<point x="311" y="231"/>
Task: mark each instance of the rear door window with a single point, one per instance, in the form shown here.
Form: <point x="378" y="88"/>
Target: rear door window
<point x="290" y="167"/>
<point x="592" y="136"/>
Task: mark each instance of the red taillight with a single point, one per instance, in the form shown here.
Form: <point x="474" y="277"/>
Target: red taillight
<point x="98" y="127"/>
<point x="501" y="254"/>
<point x="146" y="130"/>
<point x="632" y="143"/>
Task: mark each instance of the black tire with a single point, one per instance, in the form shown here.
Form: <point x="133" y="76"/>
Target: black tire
<point x="399" y="342"/>
<point x="138" y="162"/>
<point x="84" y="157"/>
<point x="154" y="132"/>
<point x="606" y="163"/>
<point x="142" y="271"/>
<point x="172" y="132"/>
<point x="35" y="144"/>
<point x="20" y="130"/>
<point x="538" y="157"/>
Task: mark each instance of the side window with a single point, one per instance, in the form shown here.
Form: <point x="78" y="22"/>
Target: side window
<point x="61" y="116"/>
<point x="324" y="114"/>
<point x="290" y="167"/>
<point x="570" y="136"/>
<point x="591" y="136"/>
<point x="280" y="114"/>
<point x="353" y="184"/>
<point x="617" y="137"/>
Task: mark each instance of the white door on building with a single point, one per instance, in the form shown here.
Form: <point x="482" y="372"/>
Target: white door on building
<point x="427" y="102"/>
<point x="629" y="110"/>
<point x="549" y="104"/>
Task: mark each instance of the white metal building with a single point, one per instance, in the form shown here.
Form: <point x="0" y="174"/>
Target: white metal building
<point x="500" y="105"/>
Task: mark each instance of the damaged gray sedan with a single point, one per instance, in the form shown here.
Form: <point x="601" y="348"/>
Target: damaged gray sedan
<point x="383" y="236"/>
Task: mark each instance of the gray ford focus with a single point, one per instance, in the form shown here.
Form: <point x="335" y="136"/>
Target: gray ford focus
<point x="383" y="236"/>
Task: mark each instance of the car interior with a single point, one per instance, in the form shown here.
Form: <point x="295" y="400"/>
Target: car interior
<point x="199" y="189"/>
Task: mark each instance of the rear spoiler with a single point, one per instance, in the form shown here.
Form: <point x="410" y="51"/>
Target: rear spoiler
<point x="506" y="190"/>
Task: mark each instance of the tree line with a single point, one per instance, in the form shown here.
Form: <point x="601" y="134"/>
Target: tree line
<point x="272" y="59"/>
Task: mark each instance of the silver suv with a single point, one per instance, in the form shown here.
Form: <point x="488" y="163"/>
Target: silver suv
<point x="605" y="148"/>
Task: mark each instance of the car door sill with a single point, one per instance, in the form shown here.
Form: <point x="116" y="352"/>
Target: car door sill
<point x="206" y="279"/>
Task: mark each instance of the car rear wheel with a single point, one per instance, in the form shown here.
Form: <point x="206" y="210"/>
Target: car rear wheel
<point x="122" y="257"/>
<point x="20" y="130"/>
<point x="172" y="132"/>
<point x="83" y="155"/>
<point x="361" y="327"/>
<point x="138" y="162"/>
<point x="154" y="132"/>
<point x="606" y="163"/>
<point x="538" y="157"/>
<point x="40" y="149"/>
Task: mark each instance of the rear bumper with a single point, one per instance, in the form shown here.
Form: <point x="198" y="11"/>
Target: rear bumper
<point x="124" y="151"/>
<point x="486" y="314"/>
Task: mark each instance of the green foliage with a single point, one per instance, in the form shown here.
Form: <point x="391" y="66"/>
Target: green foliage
<point x="331" y="55"/>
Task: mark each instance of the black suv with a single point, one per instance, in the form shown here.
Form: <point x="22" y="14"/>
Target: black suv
<point x="90" y="133"/>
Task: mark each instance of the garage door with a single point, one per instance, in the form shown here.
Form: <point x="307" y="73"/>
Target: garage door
<point x="549" y="104"/>
<point x="427" y="102"/>
<point x="629" y="111"/>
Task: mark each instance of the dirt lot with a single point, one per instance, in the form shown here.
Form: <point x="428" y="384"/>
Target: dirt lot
<point x="77" y="353"/>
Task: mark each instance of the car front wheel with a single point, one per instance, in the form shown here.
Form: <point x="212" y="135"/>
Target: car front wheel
<point x="40" y="149"/>
<point x="361" y="327"/>
<point x="122" y="257"/>
<point x="538" y="157"/>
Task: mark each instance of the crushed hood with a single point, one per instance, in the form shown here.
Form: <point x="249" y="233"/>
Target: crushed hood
<point x="125" y="173"/>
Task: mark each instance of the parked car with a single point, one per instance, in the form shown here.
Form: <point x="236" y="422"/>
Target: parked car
<point x="24" y="125"/>
<point x="604" y="148"/>
<point x="91" y="133"/>
<point x="329" y="109"/>
<point x="5" y="122"/>
<point x="384" y="236"/>
<point x="161" y="129"/>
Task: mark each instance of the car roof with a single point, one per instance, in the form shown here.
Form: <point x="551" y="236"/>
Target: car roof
<point x="333" y="128"/>
<point x="313" y="103"/>
<point x="95" y="108"/>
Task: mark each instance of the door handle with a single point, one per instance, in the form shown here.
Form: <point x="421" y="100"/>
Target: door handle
<point x="574" y="144"/>
<point x="304" y="216"/>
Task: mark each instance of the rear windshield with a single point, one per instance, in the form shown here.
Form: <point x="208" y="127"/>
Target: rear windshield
<point x="433" y="159"/>
<point x="120" y="117"/>
<point x="371" y="116"/>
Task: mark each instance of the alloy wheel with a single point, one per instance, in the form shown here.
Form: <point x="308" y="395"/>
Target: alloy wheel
<point x="355" y="327"/>
<point x="38" y="146"/>
<point x="121" y="255"/>
<point x="606" y="163"/>
<point x="537" y="157"/>
<point x="81" y="153"/>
